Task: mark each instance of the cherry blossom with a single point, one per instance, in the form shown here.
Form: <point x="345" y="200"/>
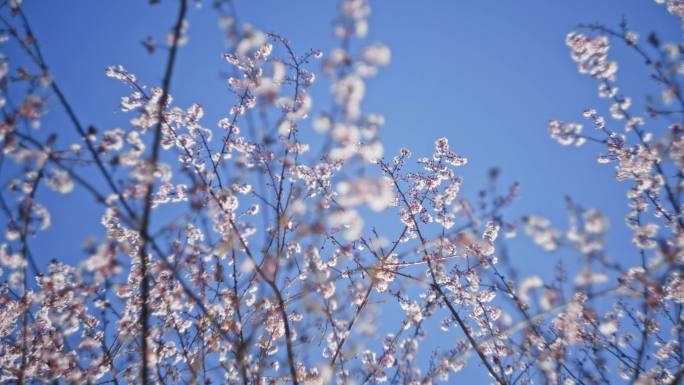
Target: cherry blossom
<point x="250" y="245"/>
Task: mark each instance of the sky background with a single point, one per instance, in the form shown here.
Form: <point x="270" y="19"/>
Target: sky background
<point x="488" y="75"/>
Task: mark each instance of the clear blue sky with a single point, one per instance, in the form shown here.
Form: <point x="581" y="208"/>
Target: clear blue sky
<point x="486" y="74"/>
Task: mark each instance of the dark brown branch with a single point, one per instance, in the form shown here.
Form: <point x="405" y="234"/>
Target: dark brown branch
<point x="147" y="210"/>
<point x="26" y="214"/>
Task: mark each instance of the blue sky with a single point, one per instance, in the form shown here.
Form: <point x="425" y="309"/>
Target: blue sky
<point x="486" y="74"/>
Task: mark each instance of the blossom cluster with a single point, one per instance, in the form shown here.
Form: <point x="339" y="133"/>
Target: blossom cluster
<point x="238" y="252"/>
